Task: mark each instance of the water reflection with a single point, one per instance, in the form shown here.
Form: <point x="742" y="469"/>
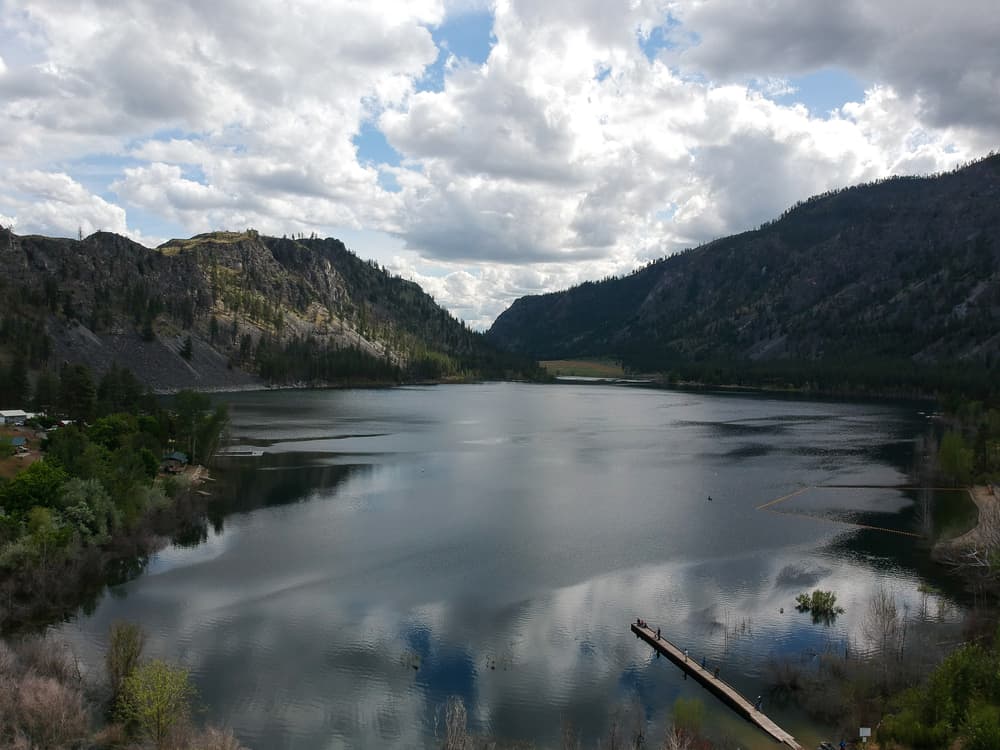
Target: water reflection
<point x="394" y="548"/>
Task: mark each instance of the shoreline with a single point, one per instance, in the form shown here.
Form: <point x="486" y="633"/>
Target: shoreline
<point x="45" y="596"/>
<point x="986" y="524"/>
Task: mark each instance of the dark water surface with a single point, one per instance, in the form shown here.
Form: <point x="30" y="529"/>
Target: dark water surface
<point x="392" y="548"/>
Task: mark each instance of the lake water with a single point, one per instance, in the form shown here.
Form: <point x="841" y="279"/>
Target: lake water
<point x="392" y="548"/>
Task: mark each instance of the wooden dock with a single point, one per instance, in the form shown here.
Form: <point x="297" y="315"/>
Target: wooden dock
<point x="722" y="689"/>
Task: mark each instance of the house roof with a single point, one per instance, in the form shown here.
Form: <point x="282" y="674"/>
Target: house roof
<point x="16" y="441"/>
<point x="8" y="413"/>
<point x="177" y="456"/>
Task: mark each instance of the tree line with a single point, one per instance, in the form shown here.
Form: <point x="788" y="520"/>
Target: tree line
<point x="96" y="482"/>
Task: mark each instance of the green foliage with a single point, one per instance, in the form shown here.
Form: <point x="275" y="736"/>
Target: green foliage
<point x="70" y="448"/>
<point x="155" y="697"/>
<point x="981" y="423"/>
<point x="170" y="486"/>
<point x="110" y="431"/>
<point x="38" y="485"/>
<point x="88" y="507"/>
<point x="14" y="391"/>
<point x="46" y="392"/>
<point x="196" y="425"/>
<point x="822" y="605"/>
<point x="25" y="335"/>
<point x="310" y="361"/>
<point x="47" y="534"/>
<point x="961" y="700"/>
<point x="125" y="646"/>
<point x="955" y="458"/>
<point x="981" y="729"/>
<point x="119" y="392"/>
<point x="77" y="393"/>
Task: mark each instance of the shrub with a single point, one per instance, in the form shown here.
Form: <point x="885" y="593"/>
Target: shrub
<point x="41" y="696"/>
<point x="89" y="508"/>
<point x="171" y="487"/>
<point x="44" y="711"/>
<point x="39" y="484"/>
<point x="48" y="658"/>
<point x="124" y="652"/>
<point x="822" y="604"/>
<point x="156" y="697"/>
<point x="982" y="729"/>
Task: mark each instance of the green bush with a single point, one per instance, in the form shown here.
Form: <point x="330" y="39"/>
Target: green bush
<point x="822" y="604"/>
<point x="981" y="729"/>
<point x="955" y="458"/>
<point x="155" y="698"/>
<point x="171" y="487"/>
<point x="90" y="510"/>
<point x="961" y="699"/>
<point x="38" y="485"/>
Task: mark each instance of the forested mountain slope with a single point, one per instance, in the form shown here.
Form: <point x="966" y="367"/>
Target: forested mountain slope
<point x="228" y="309"/>
<point x="903" y="270"/>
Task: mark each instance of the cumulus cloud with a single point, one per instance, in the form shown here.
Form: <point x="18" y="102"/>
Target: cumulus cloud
<point x="54" y="203"/>
<point x="943" y="55"/>
<point x="532" y="157"/>
<point x="594" y="137"/>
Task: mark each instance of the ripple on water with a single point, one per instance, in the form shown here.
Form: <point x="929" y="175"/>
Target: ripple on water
<point x="380" y="565"/>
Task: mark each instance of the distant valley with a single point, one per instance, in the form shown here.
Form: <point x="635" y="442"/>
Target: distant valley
<point x="894" y="283"/>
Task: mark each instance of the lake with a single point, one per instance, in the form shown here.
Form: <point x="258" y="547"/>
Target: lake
<point x="392" y="548"/>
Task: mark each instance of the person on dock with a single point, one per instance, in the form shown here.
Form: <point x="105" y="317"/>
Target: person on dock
<point x="758" y="703"/>
<point x="685" y="654"/>
<point x="702" y="662"/>
<point x="716" y="673"/>
<point x="657" y="634"/>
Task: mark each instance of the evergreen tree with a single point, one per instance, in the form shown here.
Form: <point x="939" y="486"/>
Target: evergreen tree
<point x="17" y="383"/>
<point x="46" y="392"/>
<point x="119" y="391"/>
<point x="77" y="394"/>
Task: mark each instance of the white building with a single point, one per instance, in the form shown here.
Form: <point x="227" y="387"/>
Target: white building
<point x="13" y="417"/>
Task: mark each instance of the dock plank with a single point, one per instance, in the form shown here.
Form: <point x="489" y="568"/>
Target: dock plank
<point x="719" y="687"/>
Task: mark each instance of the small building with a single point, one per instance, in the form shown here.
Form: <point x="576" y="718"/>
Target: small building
<point x="174" y="463"/>
<point x="13" y="417"/>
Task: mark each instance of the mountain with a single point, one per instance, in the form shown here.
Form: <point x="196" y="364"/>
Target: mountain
<point x="902" y="274"/>
<point x="230" y="310"/>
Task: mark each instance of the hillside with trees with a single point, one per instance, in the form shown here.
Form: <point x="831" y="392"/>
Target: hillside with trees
<point x="225" y="309"/>
<point x="892" y="284"/>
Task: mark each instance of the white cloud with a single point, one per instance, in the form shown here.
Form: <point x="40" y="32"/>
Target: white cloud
<point x="530" y="158"/>
<point x="943" y="55"/>
<point x="567" y="155"/>
<point x="54" y="203"/>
